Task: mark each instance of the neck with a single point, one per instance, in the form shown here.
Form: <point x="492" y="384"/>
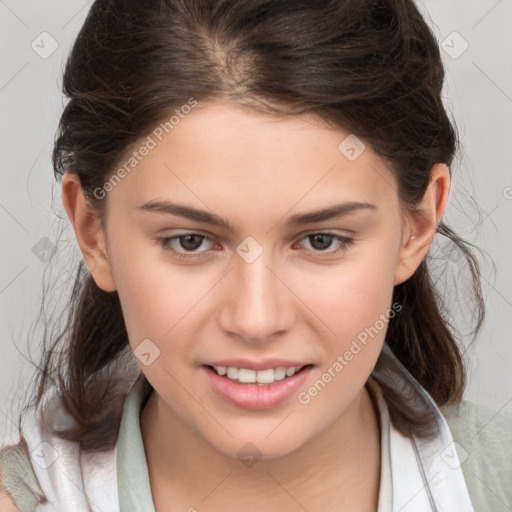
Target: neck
<point x="337" y="469"/>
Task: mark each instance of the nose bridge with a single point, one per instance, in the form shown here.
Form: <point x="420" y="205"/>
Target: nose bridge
<point x="257" y="306"/>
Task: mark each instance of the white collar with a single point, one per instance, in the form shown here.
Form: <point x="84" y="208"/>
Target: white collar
<point x="426" y="474"/>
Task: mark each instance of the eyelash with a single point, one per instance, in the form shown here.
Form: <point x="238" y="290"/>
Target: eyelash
<point x="346" y="242"/>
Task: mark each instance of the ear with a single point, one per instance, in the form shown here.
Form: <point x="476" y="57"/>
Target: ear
<point x="88" y="231"/>
<point x="421" y="225"/>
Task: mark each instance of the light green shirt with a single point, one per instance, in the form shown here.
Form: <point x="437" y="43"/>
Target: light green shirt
<point x="133" y="480"/>
<point x="483" y="439"/>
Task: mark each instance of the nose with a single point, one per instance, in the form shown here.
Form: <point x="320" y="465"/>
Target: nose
<point x="259" y="305"/>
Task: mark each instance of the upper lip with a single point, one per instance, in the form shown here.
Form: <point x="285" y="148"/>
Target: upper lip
<point x="256" y="365"/>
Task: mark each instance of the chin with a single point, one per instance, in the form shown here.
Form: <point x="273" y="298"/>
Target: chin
<point x="258" y="444"/>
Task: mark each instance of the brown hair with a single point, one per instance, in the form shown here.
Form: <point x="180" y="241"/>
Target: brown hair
<point x="372" y="67"/>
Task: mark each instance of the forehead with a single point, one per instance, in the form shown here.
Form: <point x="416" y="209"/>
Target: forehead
<point x="221" y="153"/>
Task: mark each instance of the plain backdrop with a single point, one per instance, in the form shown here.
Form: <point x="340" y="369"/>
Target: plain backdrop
<point x="35" y="38"/>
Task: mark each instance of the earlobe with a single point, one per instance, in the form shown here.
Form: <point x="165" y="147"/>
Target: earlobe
<point x="88" y="231"/>
<point x="421" y="225"/>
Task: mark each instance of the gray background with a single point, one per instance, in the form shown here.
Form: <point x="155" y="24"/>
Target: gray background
<point x="478" y="93"/>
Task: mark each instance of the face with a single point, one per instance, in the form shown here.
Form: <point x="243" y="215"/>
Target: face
<point x="219" y="262"/>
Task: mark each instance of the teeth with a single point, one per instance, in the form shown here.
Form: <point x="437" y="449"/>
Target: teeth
<point x="232" y="373"/>
<point x="280" y="373"/>
<point x="266" y="376"/>
<point x="248" y="376"/>
<point x="290" y="372"/>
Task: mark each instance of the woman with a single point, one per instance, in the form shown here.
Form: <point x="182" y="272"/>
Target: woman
<point x="255" y="187"/>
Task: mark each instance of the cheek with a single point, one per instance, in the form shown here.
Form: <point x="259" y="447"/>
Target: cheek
<point x="354" y="301"/>
<point x="156" y="297"/>
<point x="163" y="301"/>
<point x="158" y="304"/>
<point x="351" y="296"/>
<point x="356" y="305"/>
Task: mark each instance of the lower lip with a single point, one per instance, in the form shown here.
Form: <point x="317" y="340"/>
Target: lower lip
<point x="255" y="396"/>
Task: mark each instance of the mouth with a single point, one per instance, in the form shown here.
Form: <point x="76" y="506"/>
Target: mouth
<point x="256" y="389"/>
<point x="259" y="377"/>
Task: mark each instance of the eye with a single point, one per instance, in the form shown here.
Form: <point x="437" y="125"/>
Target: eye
<point x="322" y="241"/>
<point x="189" y="243"/>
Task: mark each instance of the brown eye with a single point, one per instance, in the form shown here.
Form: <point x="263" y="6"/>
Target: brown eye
<point x="184" y="245"/>
<point x="321" y="242"/>
<point x="190" y="242"/>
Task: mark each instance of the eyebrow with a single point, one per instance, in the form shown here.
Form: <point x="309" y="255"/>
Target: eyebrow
<point x="330" y="212"/>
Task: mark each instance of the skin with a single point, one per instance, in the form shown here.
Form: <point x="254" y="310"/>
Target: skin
<point x="6" y="503"/>
<point x="298" y="300"/>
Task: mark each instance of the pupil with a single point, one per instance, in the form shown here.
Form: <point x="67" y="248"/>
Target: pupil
<point x="320" y="236"/>
<point x="187" y="239"/>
